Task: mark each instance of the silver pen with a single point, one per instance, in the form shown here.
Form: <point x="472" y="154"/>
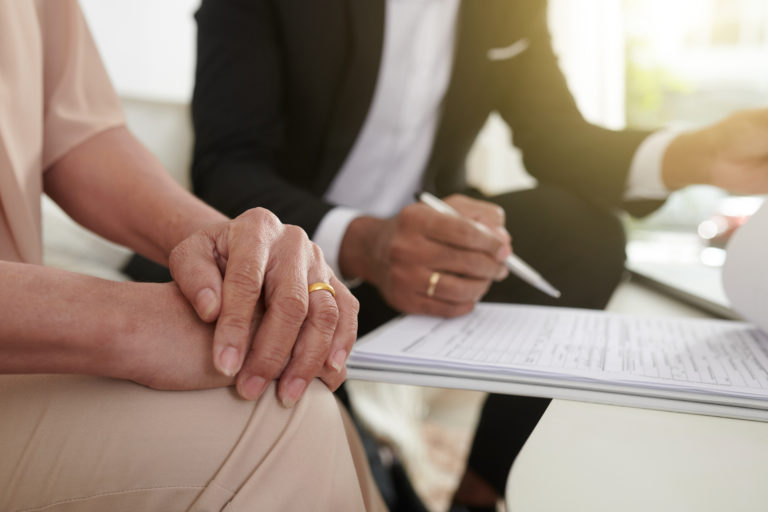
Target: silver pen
<point x="515" y="265"/>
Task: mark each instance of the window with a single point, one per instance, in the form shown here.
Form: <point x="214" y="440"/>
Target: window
<point x="690" y="63"/>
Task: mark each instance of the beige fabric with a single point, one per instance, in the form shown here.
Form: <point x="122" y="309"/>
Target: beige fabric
<point x="51" y="71"/>
<point x="79" y="443"/>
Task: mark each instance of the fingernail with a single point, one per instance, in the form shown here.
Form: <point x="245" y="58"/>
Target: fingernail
<point x="229" y="361"/>
<point x="503" y="232"/>
<point x="503" y="252"/>
<point x="253" y="387"/>
<point x="206" y="302"/>
<point x="503" y="274"/>
<point x="339" y="359"/>
<point x="292" y="392"/>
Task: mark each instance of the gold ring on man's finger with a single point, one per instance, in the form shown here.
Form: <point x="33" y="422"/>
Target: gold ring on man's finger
<point x="433" y="280"/>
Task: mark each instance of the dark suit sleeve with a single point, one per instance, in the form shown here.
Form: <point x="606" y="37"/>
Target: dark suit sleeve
<point x="557" y="144"/>
<point x="238" y="115"/>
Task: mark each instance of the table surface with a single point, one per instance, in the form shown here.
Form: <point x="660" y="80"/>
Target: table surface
<point x="591" y="457"/>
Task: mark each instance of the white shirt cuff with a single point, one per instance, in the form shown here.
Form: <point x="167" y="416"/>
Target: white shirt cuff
<point x="644" y="180"/>
<point x="329" y="235"/>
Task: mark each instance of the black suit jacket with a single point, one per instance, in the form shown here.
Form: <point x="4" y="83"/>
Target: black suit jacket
<point x="283" y="88"/>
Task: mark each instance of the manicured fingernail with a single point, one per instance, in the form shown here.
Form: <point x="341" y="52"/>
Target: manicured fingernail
<point x="292" y="392"/>
<point x="503" y="252"/>
<point x="253" y="387"/>
<point x="229" y="361"/>
<point x="206" y="303"/>
<point x="339" y="359"/>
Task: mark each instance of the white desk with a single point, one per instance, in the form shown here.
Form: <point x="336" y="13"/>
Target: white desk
<point x="589" y="457"/>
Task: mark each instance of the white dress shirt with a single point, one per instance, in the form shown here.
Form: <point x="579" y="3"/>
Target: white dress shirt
<point x="389" y="157"/>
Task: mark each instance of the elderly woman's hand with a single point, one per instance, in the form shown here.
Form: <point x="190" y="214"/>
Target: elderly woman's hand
<point x="251" y="275"/>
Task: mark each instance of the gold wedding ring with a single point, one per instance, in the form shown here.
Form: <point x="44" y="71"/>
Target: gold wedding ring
<point x="433" y="279"/>
<point x="322" y="286"/>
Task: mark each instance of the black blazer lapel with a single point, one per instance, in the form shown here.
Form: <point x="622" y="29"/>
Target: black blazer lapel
<point x="467" y="101"/>
<point x="366" y="20"/>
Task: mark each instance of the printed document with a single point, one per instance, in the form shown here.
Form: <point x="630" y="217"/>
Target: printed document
<point x="696" y="355"/>
<point x="711" y="361"/>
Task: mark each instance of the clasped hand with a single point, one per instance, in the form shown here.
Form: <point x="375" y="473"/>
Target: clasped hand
<point x="251" y="276"/>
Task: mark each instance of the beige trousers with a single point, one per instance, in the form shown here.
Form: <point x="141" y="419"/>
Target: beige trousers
<point x="79" y="443"/>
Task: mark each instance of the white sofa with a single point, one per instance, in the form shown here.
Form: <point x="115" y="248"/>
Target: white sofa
<point x="166" y="130"/>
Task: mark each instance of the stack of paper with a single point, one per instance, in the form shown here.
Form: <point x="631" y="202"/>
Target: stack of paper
<point x="713" y="367"/>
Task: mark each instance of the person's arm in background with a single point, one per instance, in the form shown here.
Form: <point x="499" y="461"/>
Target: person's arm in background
<point x="606" y="166"/>
<point x="558" y="145"/>
<point x="238" y="115"/>
<point x="731" y="154"/>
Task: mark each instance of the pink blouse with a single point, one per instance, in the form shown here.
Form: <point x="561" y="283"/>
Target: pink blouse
<point x="54" y="95"/>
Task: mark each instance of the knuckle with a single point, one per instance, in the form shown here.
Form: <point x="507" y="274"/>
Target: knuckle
<point x="399" y="250"/>
<point x="259" y="219"/>
<point x="246" y="278"/>
<point x="235" y="323"/>
<point x="261" y="216"/>
<point x="296" y="233"/>
<point x="291" y="308"/>
<point x="410" y="216"/>
<point x="459" y="309"/>
<point x="347" y="322"/>
<point x="353" y="304"/>
<point x="178" y="253"/>
<point x="175" y="264"/>
<point x="315" y="353"/>
<point x="434" y="308"/>
<point x="454" y="289"/>
<point x="408" y="211"/>
<point x="325" y="318"/>
<point x="475" y="265"/>
<point x="350" y="331"/>
<point x="399" y="276"/>
<point x="182" y="254"/>
<point x="317" y="252"/>
<point x="493" y="244"/>
<point x="500" y="213"/>
<point x="267" y="362"/>
<point x="465" y="230"/>
<point x="457" y="200"/>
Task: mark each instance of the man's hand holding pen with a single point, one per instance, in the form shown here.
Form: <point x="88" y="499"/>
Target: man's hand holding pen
<point x="425" y="262"/>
